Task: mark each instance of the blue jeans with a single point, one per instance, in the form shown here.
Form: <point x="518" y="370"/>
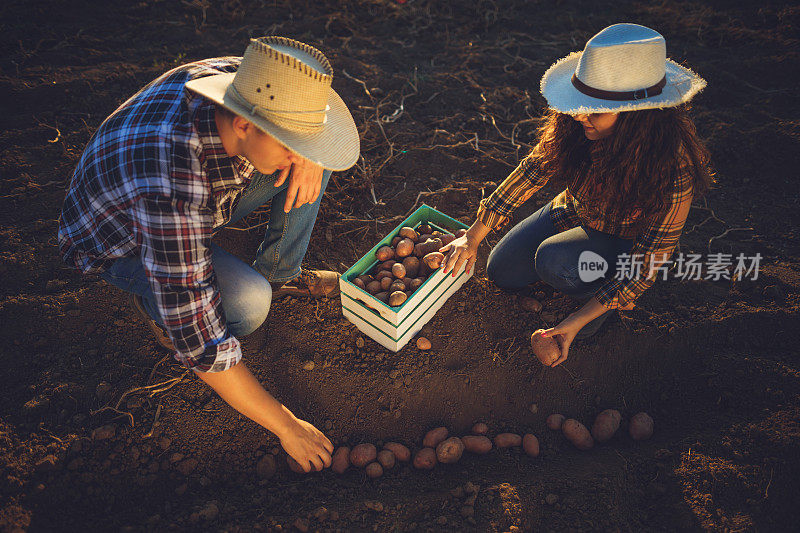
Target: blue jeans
<point x="534" y="250"/>
<point x="245" y="290"/>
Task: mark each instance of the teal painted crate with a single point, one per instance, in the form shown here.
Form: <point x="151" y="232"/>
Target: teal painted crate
<point x="393" y="327"/>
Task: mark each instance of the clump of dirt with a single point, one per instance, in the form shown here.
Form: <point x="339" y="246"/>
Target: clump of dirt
<point x="101" y="430"/>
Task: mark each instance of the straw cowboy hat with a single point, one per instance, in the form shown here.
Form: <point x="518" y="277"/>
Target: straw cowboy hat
<point x="622" y="68"/>
<point x="284" y="88"/>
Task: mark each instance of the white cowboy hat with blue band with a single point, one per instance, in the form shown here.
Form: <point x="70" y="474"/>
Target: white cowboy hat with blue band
<point x="284" y="87"/>
<point x="622" y="68"/>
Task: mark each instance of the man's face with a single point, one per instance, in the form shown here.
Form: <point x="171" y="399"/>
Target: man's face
<point x="264" y="152"/>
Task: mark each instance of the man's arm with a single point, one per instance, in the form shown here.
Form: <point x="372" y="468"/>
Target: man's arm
<point x="305" y="443"/>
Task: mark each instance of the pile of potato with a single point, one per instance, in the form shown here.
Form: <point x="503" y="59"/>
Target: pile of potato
<point x="439" y="447"/>
<point x="405" y="265"/>
<point x="640" y="427"/>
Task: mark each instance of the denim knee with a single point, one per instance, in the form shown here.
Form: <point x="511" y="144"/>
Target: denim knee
<point x="250" y="308"/>
<point x="554" y="266"/>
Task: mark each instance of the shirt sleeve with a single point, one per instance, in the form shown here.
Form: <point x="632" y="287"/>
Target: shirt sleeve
<point x="520" y="185"/>
<point x="174" y="236"/>
<point x="651" y="252"/>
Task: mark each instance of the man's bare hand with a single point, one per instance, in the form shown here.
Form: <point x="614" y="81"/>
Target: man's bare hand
<point x="305" y="182"/>
<point x="307" y="445"/>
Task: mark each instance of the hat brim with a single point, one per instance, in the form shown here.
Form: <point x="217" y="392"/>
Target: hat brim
<point x="556" y="86"/>
<point x="335" y="147"/>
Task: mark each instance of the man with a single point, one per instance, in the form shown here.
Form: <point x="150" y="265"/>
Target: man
<point x="197" y="149"/>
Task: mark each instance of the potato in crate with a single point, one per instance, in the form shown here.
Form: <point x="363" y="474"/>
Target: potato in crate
<point x="397" y="287"/>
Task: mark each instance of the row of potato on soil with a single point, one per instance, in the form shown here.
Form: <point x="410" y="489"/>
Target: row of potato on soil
<point x="404" y="265"/>
<point x="439" y="447"/>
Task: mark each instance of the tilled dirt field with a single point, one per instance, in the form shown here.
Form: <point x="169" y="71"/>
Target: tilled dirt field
<point x="100" y="431"/>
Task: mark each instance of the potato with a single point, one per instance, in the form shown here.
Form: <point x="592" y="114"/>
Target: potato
<point x="424" y="248"/>
<point x="374" y="287"/>
<point x="386" y="282"/>
<point x="437" y="233"/>
<point x="384" y="253"/>
<point x="383" y="296"/>
<point x="546" y="349"/>
<point x="386" y="265"/>
<point x="424" y="237"/>
<point x="424" y="228"/>
<point x="363" y="454"/>
<point x="424" y="271"/>
<point x="449" y="450"/>
<point x="423" y="344"/>
<point x="641" y="426"/>
<point x="374" y="470"/>
<point x="400" y="452"/>
<point x="555" y="421"/>
<point x="395" y="240"/>
<point x="409" y="233"/>
<point x="404" y="248"/>
<point x="411" y="263"/>
<point x="358" y="282"/>
<point x="407" y="282"/>
<point x="366" y="278"/>
<point x="531" y="445"/>
<point x="532" y="305"/>
<point x="434" y="437"/>
<point x="294" y="466"/>
<point x="605" y="425"/>
<point x="397" y="298"/>
<point x="577" y="434"/>
<point x="398" y="270"/>
<point x="480" y="429"/>
<point x="447" y="238"/>
<point x="397" y="285"/>
<point x="341" y="460"/>
<point x="416" y="283"/>
<point x="477" y="444"/>
<point x="507" y="440"/>
<point x="383" y="274"/>
<point x="433" y="260"/>
<point x="460" y="232"/>
<point x="425" y="459"/>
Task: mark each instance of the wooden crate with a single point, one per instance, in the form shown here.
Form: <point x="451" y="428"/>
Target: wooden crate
<point x="393" y="327"/>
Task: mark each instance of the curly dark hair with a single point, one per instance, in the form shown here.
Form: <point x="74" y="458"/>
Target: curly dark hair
<point x="631" y="173"/>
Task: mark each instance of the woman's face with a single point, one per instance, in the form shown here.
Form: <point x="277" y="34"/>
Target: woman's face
<point x="597" y="125"/>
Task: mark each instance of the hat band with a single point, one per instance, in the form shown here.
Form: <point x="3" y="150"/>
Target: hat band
<point x="638" y="94"/>
<point x="289" y="120"/>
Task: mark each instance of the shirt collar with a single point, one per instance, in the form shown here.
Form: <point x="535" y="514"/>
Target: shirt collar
<point x="223" y="171"/>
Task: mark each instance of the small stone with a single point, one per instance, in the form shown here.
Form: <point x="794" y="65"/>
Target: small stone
<point x="531" y="305"/>
<point x="551" y="498"/>
<point x="360" y="342"/>
<point x="308" y="365"/>
<point x="301" y="524"/>
<point x="164" y="442"/>
<point x="423" y="343"/>
<point x="175" y="457"/>
<point x="533" y="408"/>
<point x="104" y="432"/>
<point x="210" y="512"/>
<point x="266" y="467"/>
<point x="187" y="466"/>
<point x="321" y="513"/>
<point x="442" y="520"/>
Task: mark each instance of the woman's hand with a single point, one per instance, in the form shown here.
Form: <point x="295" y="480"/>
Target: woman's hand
<point x="304" y="184"/>
<point x="458" y="252"/>
<point x="564" y="333"/>
<point x="464" y="249"/>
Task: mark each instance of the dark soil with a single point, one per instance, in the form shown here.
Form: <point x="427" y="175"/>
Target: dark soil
<point x="97" y="432"/>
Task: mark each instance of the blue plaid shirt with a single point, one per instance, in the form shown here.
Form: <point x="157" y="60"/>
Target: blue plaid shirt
<point x="154" y="182"/>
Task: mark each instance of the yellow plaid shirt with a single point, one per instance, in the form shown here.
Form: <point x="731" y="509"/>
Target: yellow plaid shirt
<point x="653" y="245"/>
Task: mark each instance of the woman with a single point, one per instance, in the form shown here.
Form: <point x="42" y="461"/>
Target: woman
<point x="619" y="138"/>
